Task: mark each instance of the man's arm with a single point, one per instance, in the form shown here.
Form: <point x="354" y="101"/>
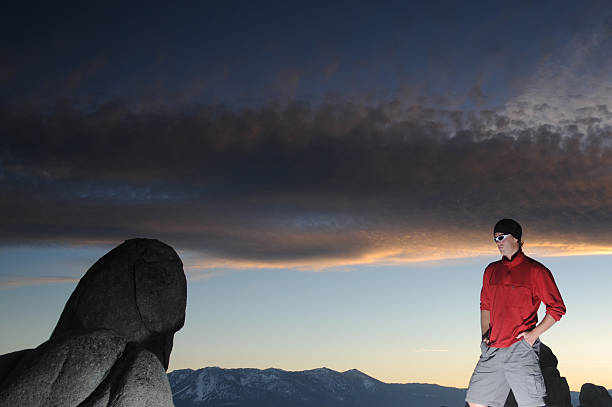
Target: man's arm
<point x="531" y="336"/>
<point x="547" y="291"/>
<point x="485" y="306"/>
<point x="485" y="324"/>
<point x="555" y="308"/>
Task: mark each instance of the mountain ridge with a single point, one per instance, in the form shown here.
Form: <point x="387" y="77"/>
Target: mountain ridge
<point x="250" y="387"/>
<point x="215" y="386"/>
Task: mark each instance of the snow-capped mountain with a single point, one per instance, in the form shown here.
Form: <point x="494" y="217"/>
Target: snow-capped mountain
<point x="215" y="387"/>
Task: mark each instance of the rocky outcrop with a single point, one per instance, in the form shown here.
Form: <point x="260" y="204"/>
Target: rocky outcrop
<point x="558" y="392"/>
<point x="594" y="396"/>
<point x="112" y="344"/>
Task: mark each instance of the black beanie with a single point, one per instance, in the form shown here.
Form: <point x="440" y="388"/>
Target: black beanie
<point x="509" y="226"/>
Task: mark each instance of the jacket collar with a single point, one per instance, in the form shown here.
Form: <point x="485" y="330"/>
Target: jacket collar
<point x="516" y="259"/>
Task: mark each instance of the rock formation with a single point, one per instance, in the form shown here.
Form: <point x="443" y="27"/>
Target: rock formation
<point x="594" y="396"/>
<point x="558" y="392"/>
<point x="112" y="344"/>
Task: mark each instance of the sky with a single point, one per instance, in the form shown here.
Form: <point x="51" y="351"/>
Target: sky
<point x="329" y="174"/>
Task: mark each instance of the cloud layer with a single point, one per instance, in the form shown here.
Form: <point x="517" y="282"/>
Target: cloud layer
<point x="15" y="281"/>
<point x="301" y="185"/>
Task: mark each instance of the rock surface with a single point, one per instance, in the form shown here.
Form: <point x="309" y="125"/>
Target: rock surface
<point x="594" y="396"/>
<point x="112" y="344"/>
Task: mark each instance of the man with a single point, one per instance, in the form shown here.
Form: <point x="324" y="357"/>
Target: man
<point x="512" y="290"/>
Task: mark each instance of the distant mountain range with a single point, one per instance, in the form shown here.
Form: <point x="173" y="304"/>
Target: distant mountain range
<point x="217" y="387"/>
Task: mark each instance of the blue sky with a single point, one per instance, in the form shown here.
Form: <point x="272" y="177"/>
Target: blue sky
<point x="323" y="171"/>
<point x="407" y="323"/>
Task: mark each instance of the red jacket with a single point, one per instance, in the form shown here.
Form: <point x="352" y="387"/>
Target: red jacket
<point x="512" y="291"/>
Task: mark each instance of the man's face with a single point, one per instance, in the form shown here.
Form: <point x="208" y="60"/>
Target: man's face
<point x="508" y="246"/>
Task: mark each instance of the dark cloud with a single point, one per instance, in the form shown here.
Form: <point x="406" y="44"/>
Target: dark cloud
<point x="477" y="96"/>
<point x="301" y="184"/>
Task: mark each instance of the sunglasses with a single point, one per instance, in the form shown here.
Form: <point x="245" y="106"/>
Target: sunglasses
<point x="501" y="237"/>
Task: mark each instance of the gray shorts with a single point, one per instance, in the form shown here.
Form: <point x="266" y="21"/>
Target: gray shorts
<point x="516" y="367"/>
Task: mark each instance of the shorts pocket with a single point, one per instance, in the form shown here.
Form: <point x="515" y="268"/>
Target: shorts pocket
<point x="539" y="386"/>
<point x="524" y="341"/>
<point x="531" y="350"/>
<point x="486" y="352"/>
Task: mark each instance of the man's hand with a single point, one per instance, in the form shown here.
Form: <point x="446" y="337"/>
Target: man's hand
<point x="485" y="326"/>
<point x="530" y="336"/>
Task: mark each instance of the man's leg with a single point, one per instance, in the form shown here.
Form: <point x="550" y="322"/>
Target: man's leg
<point x="488" y="385"/>
<point x="524" y="375"/>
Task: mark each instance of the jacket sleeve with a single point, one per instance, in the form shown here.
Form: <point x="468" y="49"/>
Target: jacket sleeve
<point x="485" y="301"/>
<point x="548" y="293"/>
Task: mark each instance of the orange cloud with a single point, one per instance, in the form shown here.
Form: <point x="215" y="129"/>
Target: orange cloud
<point x="12" y="282"/>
